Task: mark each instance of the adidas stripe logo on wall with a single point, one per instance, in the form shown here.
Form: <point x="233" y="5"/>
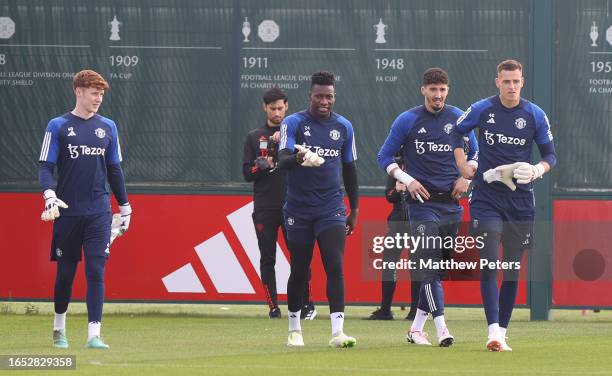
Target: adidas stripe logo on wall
<point x="222" y="265"/>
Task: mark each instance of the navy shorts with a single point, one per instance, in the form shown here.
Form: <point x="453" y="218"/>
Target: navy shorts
<point x="71" y="234"/>
<point x="442" y="213"/>
<point x="511" y="216"/>
<point x="303" y="227"/>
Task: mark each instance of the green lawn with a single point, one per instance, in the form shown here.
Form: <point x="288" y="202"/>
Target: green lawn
<point x="184" y="339"/>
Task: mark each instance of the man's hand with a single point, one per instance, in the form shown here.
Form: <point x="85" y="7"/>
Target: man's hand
<point x="503" y="173"/>
<point x="399" y="186"/>
<point x="121" y="221"/>
<point x="417" y="191"/>
<point x="468" y="169"/>
<point x="264" y="163"/>
<point x="526" y="173"/>
<point x="276" y="137"/>
<point x="460" y="188"/>
<point x="351" y="221"/>
<point x="307" y="158"/>
<point x="52" y="205"/>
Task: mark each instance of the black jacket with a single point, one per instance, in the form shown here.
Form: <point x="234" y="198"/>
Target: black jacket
<point x="270" y="185"/>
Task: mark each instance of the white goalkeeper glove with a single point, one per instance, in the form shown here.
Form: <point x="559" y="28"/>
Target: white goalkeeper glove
<point x="52" y="205"/>
<point x="526" y="173"/>
<point x="121" y="221"/>
<point x="310" y="159"/>
<point x="503" y="173"/>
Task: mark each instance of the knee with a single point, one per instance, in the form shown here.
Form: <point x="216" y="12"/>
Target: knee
<point x="298" y="273"/>
<point x="94" y="272"/>
<point x="334" y="269"/>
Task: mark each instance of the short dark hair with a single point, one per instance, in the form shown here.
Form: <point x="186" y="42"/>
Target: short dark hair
<point x="435" y="76"/>
<point x="274" y="94"/>
<point x="324" y="78"/>
<point x="509" y="65"/>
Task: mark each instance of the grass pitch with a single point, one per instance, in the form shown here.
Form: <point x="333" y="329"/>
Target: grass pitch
<point x="152" y="339"/>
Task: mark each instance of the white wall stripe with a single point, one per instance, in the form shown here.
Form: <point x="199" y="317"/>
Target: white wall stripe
<point x="242" y="224"/>
<point x="183" y="279"/>
<point x="222" y="266"/>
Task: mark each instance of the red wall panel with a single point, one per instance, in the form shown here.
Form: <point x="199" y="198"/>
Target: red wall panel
<point x="582" y="253"/>
<point x="161" y="240"/>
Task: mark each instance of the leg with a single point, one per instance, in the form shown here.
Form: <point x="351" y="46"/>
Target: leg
<point x="301" y="257"/>
<point x="331" y="245"/>
<point x="266" y="229"/>
<point x="389" y="276"/>
<point x="66" y="270"/>
<point x="514" y="238"/>
<point x="331" y="242"/>
<point x="301" y="244"/>
<point x="308" y="311"/>
<point x="66" y="251"/>
<point x="96" y="247"/>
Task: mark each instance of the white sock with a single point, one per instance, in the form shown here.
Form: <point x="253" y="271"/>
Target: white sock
<point x="502" y="332"/>
<point x="440" y="325"/>
<point x="93" y="329"/>
<point x="493" y="330"/>
<point x="294" y="321"/>
<point x="337" y="322"/>
<point x="419" y="321"/>
<point x="59" y="322"/>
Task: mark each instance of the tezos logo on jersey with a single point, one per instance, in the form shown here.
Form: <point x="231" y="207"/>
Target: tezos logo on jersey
<point x="78" y="150"/>
<point x="448" y="128"/>
<point x="422" y="147"/>
<point x="503" y="139"/>
<point x="324" y="152"/>
<point x="334" y="134"/>
<point x="100" y="133"/>
<point x="520" y="123"/>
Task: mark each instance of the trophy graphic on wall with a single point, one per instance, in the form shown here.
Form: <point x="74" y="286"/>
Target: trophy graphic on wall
<point x="246" y="29"/>
<point x="380" y="32"/>
<point x="114" y="25"/>
<point x="594" y="34"/>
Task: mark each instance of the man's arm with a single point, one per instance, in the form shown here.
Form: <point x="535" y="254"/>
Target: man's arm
<point x="251" y="170"/>
<point x="526" y="173"/>
<point x="349" y="176"/>
<point x="391" y="193"/>
<point x="49" y="152"/>
<point x="464" y="126"/>
<point x="400" y="129"/>
<point x="116" y="180"/>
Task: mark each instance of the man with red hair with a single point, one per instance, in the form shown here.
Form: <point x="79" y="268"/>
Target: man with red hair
<point x="85" y="148"/>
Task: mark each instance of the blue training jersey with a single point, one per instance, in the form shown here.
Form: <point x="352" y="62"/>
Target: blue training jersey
<point x="312" y="189"/>
<point x="82" y="149"/>
<point x="427" y="152"/>
<point x="505" y="136"/>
